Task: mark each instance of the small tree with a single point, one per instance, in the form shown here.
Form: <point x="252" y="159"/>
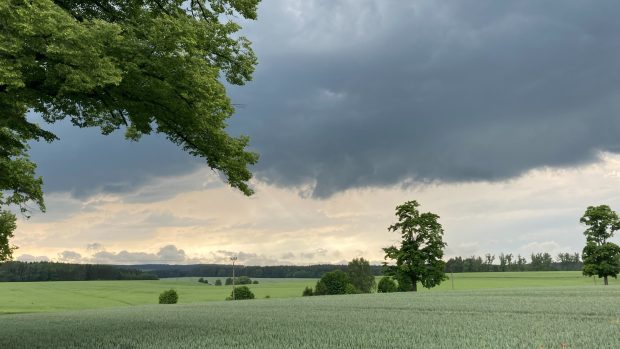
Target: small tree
<point x="421" y="248"/>
<point x="202" y="280"/>
<point x="218" y="282"/>
<point x="228" y="281"/>
<point x="600" y="257"/>
<point x="307" y="292"/>
<point x="168" y="297"/>
<point x="241" y="292"/>
<point x="334" y="282"/>
<point x="386" y="285"/>
<point x="360" y="275"/>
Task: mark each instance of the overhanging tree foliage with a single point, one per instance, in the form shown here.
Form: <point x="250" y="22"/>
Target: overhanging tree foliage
<point x="141" y="65"/>
<point x="600" y="257"/>
<point x="418" y="259"/>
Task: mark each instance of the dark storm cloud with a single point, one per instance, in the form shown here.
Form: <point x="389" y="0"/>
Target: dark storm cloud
<point x="84" y="162"/>
<point x="372" y="93"/>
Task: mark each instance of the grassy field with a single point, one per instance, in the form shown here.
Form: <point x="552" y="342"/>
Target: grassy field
<point x="76" y="295"/>
<point x="561" y="317"/>
<point x="20" y="297"/>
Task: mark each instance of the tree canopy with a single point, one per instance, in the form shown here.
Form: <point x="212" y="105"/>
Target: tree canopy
<point x="419" y="257"/>
<point x="360" y="275"/>
<point x="140" y="65"/>
<point x="600" y="256"/>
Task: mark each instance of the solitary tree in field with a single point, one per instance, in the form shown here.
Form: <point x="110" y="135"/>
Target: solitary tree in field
<point x="600" y="257"/>
<point x="143" y="66"/>
<point x="418" y="259"/>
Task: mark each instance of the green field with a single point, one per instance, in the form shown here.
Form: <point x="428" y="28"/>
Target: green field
<point x="560" y="317"/>
<point x="76" y="295"/>
<point x="20" y="297"/>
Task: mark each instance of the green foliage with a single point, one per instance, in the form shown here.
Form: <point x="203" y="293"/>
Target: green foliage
<point x="307" y="292"/>
<point x="386" y="285"/>
<point x="243" y="280"/>
<point x="7" y="226"/>
<point x="419" y="258"/>
<point x="360" y="275"/>
<point x="218" y="282"/>
<point x="255" y="282"/>
<point x="142" y="66"/>
<point x="240" y="293"/>
<point x="168" y="297"/>
<point x="334" y="282"/>
<point x="600" y="257"/>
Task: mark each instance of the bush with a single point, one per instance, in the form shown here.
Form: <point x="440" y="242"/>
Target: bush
<point x="168" y="297"/>
<point x="243" y="280"/>
<point x="334" y="282"/>
<point x="350" y="289"/>
<point x="255" y="282"/>
<point x="241" y="292"/>
<point x="307" y="292"/>
<point x="218" y="282"/>
<point x="386" y="285"/>
<point x="228" y="281"/>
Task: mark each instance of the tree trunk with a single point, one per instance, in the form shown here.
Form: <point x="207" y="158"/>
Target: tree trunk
<point x="605" y="279"/>
<point x="414" y="282"/>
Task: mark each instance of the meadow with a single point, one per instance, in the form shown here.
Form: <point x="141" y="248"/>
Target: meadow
<point x="25" y="297"/>
<point x="556" y="317"/>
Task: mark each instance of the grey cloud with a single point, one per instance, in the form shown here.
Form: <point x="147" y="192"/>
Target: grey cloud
<point x="69" y="257"/>
<point x="31" y="258"/>
<point x="360" y="93"/>
<point x="84" y="162"/>
<point x="168" y="255"/>
<point x="95" y="246"/>
<point x="288" y="255"/>
<point x="436" y="92"/>
<point x="244" y="258"/>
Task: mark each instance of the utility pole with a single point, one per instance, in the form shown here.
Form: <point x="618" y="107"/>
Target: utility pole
<point x="233" y="259"/>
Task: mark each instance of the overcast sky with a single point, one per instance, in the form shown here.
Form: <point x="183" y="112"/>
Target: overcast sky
<point x="501" y="117"/>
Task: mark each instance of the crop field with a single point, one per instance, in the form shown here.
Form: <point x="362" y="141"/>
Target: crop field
<point x="29" y="297"/>
<point x="560" y="317"/>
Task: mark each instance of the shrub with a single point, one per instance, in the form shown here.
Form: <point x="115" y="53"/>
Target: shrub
<point x="255" y="282"/>
<point x="201" y="280"/>
<point x="350" y="289"/>
<point x="334" y="282"/>
<point x="228" y="281"/>
<point x="241" y="292"/>
<point x="243" y="280"/>
<point x="307" y="292"/>
<point x="168" y="297"/>
<point x="218" y="282"/>
<point x="386" y="285"/>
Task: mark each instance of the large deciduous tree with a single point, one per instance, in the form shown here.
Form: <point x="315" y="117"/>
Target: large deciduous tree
<point x="600" y="256"/>
<point x="419" y="257"/>
<point x="141" y="65"/>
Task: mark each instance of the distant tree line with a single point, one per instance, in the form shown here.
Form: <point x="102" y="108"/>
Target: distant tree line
<point x="223" y="270"/>
<point x="50" y="271"/>
<point x="508" y="262"/>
